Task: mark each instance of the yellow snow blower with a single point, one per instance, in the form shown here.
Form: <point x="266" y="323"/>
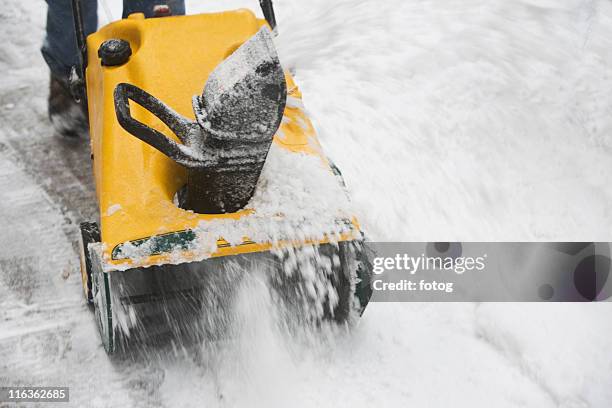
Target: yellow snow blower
<point x="190" y="188"/>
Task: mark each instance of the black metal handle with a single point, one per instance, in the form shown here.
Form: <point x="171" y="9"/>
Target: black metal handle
<point x="77" y="73"/>
<point x="79" y="31"/>
<point x="180" y="153"/>
<point x="268" y="11"/>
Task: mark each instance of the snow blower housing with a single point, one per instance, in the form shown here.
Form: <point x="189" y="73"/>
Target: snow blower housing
<point x="180" y="179"/>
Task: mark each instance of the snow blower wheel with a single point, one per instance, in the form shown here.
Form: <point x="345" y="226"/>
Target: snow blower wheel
<point x="103" y="309"/>
<point x="90" y="234"/>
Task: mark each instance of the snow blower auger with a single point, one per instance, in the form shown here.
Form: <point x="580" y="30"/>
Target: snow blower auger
<point x="193" y="188"/>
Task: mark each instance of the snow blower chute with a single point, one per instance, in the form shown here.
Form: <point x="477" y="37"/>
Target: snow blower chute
<point x="192" y="187"/>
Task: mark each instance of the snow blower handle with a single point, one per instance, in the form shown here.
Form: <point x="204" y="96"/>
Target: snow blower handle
<point x="268" y="11"/>
<point x="76" y="78"/>
<point x="180" y="153"/>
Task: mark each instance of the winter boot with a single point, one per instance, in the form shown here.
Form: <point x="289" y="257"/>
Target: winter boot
<point x="68" y="117"/>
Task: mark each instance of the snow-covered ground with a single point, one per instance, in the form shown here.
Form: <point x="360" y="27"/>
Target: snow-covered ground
<point x="451" y="120"/>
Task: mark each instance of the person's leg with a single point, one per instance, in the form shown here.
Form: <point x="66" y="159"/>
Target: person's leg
<point x="177" y="7"/>
<point x="60" y="52"/>
<point x="59" y="48"/>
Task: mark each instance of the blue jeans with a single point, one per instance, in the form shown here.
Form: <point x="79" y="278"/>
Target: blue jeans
<point x="59" y="48"/>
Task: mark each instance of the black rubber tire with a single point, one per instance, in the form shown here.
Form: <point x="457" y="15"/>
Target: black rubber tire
<point x="90" y="233"/>
<point x="103" y="309"/>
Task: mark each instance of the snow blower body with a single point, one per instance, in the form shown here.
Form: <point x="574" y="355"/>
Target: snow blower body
<point x="193" y="184"/>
